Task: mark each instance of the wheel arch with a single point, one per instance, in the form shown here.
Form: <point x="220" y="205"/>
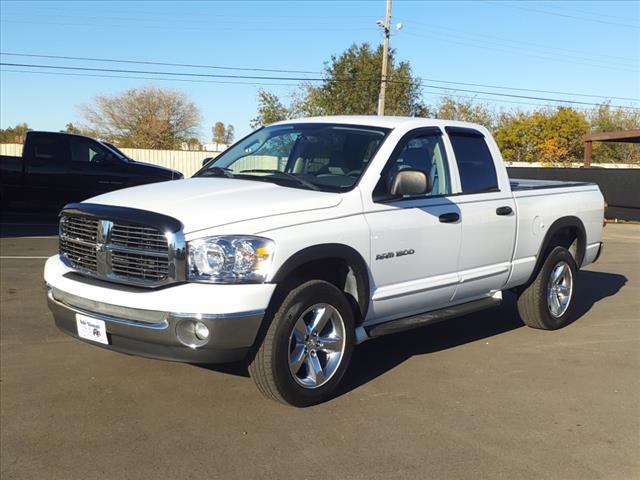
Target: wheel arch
<point x="562" y="232"/>
<point x="321" y="260"/>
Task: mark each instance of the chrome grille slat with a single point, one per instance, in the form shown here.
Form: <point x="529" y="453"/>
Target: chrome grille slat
<point x="139" y="237"/>
<point x="115" y="250"/>
<point x="138" y="251"/>
<point x="81" y="230"/>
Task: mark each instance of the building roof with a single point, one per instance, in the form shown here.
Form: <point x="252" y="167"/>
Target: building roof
<point x="627" y="136"/>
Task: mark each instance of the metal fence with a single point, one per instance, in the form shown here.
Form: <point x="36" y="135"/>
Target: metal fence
<point x="187" y="162"/>
<point x="620" y="187"/>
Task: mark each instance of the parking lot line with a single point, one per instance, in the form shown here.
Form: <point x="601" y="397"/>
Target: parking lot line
<point x="37" y="238"/>
<point x="16" y="224"/>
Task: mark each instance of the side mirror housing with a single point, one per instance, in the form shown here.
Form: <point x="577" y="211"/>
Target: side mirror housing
<point x="105" y="159"/>
<point x="410" y="182"/>
<point x="206" y="160"/>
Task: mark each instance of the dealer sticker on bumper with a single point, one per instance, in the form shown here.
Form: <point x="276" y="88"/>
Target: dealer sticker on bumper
<point x="92" y="329"/>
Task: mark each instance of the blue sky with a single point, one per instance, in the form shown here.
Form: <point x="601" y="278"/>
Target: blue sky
<point x="571" y="47"/>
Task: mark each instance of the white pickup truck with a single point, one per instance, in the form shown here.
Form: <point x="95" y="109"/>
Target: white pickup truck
<point x="310" y="236"/>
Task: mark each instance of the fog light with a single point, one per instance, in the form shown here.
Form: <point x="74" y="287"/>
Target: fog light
<point x="192" y="333"/>
<point x="201" y="331"/>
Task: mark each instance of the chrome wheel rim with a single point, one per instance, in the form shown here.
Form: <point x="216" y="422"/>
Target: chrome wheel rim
<point x="559" y="289"/>
<point x="316" y="345"/>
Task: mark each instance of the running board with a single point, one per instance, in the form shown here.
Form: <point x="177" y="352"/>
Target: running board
<point x="402" y="324"/>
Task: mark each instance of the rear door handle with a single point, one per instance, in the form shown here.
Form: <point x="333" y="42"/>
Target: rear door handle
<point x="449" y="217"/>
<point x="504" y="211"/>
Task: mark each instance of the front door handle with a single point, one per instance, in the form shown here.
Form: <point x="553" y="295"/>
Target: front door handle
<point x="504" y="211"/>
<point x="449" y="217"/>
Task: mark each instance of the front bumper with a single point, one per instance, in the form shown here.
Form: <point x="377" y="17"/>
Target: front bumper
<point x="153" y="323"/>
<point x="229" y="341"/>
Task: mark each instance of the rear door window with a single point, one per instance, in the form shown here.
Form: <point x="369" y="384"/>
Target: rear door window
<point x="50" y="148"/>
<point x="475" y="163"/>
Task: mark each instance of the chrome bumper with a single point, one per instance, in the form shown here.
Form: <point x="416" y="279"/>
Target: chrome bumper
<point x="156" y="334"/>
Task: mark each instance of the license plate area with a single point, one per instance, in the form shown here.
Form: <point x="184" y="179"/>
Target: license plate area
<point x="92" y="329"/>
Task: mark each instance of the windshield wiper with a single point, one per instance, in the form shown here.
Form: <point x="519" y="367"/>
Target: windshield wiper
<point x="217" y="172"/>
<point x="290" y="176"/>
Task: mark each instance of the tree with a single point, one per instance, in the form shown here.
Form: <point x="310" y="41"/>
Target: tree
<point x="219" y="132"/>
<point x="222" y="134"/>
<point x="513" y="135"/>
<point x="14" y="134"/>
<point x="549" y="135"/>
<point x="192" y="144"/>
<point x="352" y="84"/>
<point x="76" y="130"/>
<point x="229" y="134"/>
<point x="605" y="119"/>
<point x="270" y="109"/>
<point x="464" y="110"/>
<point x="71" y="128"/>
<point x="147" y="117"/>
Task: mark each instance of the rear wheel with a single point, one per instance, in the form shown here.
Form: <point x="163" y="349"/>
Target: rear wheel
<point x="548" y="302"/>
<point x="307" y="347"/>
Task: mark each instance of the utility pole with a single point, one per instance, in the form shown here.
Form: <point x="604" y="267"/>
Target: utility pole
<point x="385" y="58"/>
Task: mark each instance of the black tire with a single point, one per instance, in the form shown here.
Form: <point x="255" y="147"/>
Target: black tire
<point x="269" y="368"/>
<point x="533" y="306"/>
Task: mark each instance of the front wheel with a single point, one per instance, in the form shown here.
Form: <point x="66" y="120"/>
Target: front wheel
<point x="548" y="302"/>
<point x="307" y="347"/>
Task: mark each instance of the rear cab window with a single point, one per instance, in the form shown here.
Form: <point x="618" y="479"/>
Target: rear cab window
<point x="49" y="148"/>
<point x="475" y="163"/>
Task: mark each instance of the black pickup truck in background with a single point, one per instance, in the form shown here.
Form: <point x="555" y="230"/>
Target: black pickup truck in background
<point x="59" y="168"/>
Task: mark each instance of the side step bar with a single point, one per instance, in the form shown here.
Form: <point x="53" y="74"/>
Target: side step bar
<point x="402" y="324"/>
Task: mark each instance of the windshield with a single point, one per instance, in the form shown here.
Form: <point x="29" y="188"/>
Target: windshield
<point x="328" y="157"/>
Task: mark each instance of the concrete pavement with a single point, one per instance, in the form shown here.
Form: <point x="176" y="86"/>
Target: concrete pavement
<point x="477" y="397"/>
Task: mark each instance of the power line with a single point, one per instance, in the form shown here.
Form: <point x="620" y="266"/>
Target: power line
<point x="565" y="15"/>
<point x="190" y="80"/>
<point x="200" y="20"/>
<point x="518" y="89"/>
<point x="584" y="12"/>
<point x="251" y="77"/>
<point x="527" y="97"/>
<point x="263" y="26"/>
<point x="192" y="13"/>
<point x="536" y="46"/>
<point x="449" y="39"/>
<point x="183" y="74"/>
<point x="165" y="64"/>
<point x="144" y="62"/>
<point x="446" y="94"/>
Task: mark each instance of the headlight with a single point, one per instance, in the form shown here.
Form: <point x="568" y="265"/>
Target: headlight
<point x="230" y="259"/>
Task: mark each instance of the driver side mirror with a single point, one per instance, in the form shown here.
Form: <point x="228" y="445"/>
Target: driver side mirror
<point x="410" y="182"/>
<point x="106" y="159"/>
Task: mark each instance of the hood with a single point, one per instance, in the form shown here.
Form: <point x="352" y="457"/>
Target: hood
<point x="201" y="203"/>
<point x="155" y="170"/>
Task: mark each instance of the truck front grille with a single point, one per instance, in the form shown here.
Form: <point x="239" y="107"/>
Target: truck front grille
<point x="119" y="251"/>
<point x="78" y="237"/>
